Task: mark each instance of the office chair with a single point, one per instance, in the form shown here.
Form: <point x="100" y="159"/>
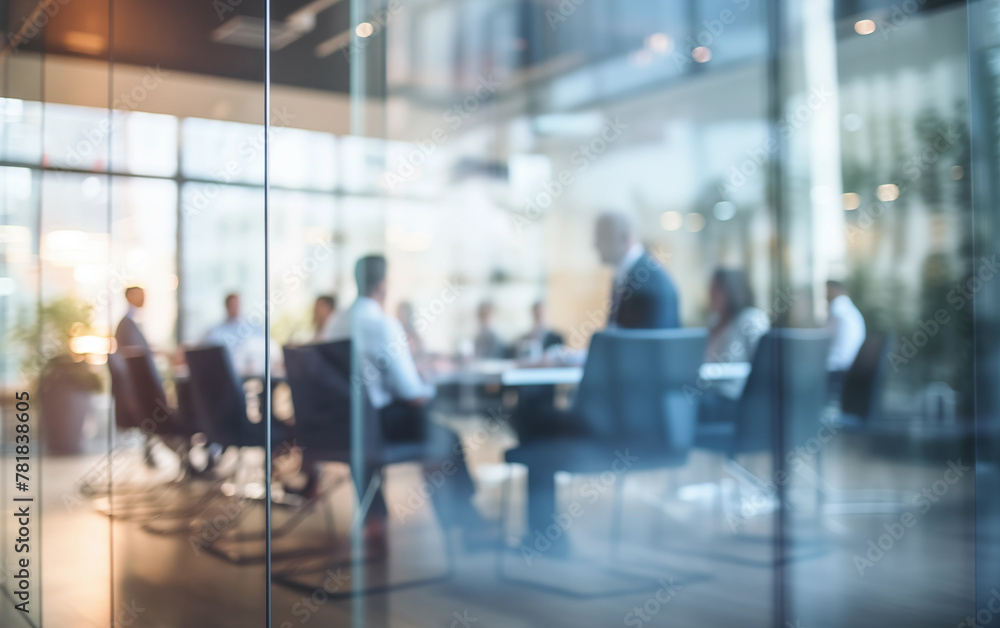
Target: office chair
<point x="218" y="402"/>
<point x="788" y="378"/>
<point x="633" y="396"/>
<point x="322" y="390"/>
<point x="141" y="404"/>
<point x="861" y="415"/>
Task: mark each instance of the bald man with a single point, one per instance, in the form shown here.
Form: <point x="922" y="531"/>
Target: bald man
<point x="643" y="295"/>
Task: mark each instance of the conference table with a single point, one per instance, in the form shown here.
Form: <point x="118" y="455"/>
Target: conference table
<point x="512" y="373"/>
<point x="470" y="385"/>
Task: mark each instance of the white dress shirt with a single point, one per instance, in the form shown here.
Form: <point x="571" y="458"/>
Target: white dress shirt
<point x="387" y="366"/>
<point x="847" y="328"/>
<point x="245" y="342"/>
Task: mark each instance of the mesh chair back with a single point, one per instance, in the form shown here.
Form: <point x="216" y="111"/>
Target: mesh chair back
<point x="861" y="394"/>
<point x="319" y="377"/>
<point x="788" y="375"/>
<point x="637" y="384"/>
<point x="218" y="398"/>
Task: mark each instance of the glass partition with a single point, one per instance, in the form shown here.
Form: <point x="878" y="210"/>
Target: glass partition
<point x="502" y="312"/>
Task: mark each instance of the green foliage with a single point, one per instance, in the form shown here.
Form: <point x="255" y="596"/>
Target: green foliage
<point x="44" y="340"/>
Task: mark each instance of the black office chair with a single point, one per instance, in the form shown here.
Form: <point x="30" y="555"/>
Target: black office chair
<point x="633" y="396"/>
<point x="141" y="404"/>
<point x="127" y="418"/>
<point x="861" y="392"/>
<point x="322" y="389"/>
<point x="219" y="405"/>
<point x="861" y="415"/>
<point x="788" y="376"/>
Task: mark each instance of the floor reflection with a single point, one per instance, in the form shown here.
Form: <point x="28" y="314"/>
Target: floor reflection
<point x="677" y="522"/>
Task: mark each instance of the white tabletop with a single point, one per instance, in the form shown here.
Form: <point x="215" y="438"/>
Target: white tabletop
<point x="710" y="371"/>
<point x="542" y="376"/>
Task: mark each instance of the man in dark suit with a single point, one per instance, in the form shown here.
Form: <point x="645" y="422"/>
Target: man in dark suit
<point x="643" y="295"/>
<point x="128" y="333"/>
<point x="131" y="342"/>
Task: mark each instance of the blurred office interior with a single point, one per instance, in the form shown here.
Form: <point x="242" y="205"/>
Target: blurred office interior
<point x="809" y="438"/>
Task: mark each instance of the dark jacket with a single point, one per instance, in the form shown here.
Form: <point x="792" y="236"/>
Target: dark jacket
<point x="647" y="299"/>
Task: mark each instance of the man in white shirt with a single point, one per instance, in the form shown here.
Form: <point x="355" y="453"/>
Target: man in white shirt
<point x="401" y="397"/>
<point x="847" y="328"/>
<point x="243" y="339"/>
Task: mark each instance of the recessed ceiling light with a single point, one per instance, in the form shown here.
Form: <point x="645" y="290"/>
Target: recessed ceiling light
<point x="84" y="43"/>
<point x="864" y="27"/>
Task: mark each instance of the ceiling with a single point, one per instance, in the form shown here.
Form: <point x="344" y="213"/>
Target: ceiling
<point x="178" y="35"/>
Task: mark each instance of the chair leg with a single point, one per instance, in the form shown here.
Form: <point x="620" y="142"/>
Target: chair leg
<point x="626" y="583"/>
<point x="616" y="514"/>
<point x="357" y="560"/>
<point x="505" y="488"/>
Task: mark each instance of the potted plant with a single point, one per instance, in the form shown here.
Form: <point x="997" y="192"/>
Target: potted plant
<point x="64" y="381"/>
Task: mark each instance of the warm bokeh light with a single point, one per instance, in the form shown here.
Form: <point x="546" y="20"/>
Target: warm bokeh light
<point x="84" y="43"/>
<point x="659" y="43"/>
<point x="852" y="200"/>
<point x="887" y="192"/>
<point x="671" y="221"/>
<point x="695" y="222"/>
<point x="701" y="54"/>
<point x="864" y="27"/>
<point x="364" y="29"/>
<point x="90" y="344"/>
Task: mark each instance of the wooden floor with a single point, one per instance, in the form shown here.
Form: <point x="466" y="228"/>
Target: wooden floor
<point x="695" y="571"/>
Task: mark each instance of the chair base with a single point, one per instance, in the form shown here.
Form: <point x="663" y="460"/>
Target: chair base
<point x="592" y="578"/>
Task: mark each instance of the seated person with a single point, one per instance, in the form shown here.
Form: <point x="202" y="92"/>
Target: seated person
<point x="401" y="398"/>
<point x="735" y="329"/>
<point x="244" y="339"/>
<point x="323" y="311"/>
<point x="532" y="345"/>
<point x="847" y="329"/>
<point x="406" y="316"/>
<point x="488" y="345"/>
